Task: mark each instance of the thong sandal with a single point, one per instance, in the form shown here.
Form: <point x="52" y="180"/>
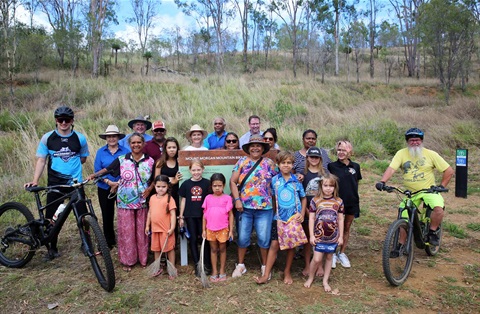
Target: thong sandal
<point x="127" y="268"/>
<point x="214" y="278"/>
<point x="222" y="277"/>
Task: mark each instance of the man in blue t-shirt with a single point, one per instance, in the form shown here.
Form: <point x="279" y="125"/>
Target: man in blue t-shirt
<point x="64" y="151"/>
<point x="216" y="139"/>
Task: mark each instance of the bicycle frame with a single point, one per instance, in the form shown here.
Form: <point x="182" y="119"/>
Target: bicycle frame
<point x="415" y="229"/>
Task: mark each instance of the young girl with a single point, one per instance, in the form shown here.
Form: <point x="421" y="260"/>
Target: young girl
<point x="161" y="220"/>
<point x="218" y="224"/>
<point x="326" y="227"/>
<point x="290" y="204"/>
<point x="313" y="173"/>
<point x="348" y="173"/>
<point x="193" y="192"/>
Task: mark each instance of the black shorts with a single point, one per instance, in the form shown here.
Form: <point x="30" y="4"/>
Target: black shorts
<point x="274" y="234"/>
<point x="352" y="210"/>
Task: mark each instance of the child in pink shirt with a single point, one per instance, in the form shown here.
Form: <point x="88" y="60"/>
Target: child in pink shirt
<point x="218" y="224"/>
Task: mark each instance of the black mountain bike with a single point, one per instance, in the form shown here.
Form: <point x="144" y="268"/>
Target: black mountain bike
<point x="21" y="235"/>
<point x="397" y="253"/>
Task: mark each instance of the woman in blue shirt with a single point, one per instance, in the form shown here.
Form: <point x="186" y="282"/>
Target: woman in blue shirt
<point x="105" y="155"/>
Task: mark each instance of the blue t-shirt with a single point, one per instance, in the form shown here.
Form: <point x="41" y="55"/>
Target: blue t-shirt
<point x="63" y="154"/>
<point x="288" y="195"/>
<point x="214" y="142"/>
<point x="103" y="159"/>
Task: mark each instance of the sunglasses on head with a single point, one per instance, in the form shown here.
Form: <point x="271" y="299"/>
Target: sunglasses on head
<point x="159" y="130"/>
<point x="63" y="120"/>
<point x="231" y="141"/>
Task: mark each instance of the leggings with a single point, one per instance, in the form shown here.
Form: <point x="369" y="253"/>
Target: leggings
<point x="108" y="213"/>
<point x="194" y="226"/>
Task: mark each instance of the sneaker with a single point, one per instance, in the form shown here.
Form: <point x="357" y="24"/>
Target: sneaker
<point x="262" y="270"/>
<point x="433" y="238"/>
<point x="240" y="269"/>
<point x="51" y="255"/>
<point x="334" y="261"/>
<point x="344" y="260"/>
<point x="399" y="250"/>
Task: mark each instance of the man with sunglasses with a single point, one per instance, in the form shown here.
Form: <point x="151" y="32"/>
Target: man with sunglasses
<point x="216" y="139"/>
<point x="65" y="150"/>
<point x="153" y="147"/>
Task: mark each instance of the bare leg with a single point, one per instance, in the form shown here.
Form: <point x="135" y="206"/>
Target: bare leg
<point x="346" y="231"/>
<point x="156" y="254"/>
<point x="213" y="257"/>
<point x="271" y="257"/>
<point x="288" y="265"/>
<point x="241" y="254"/>
<point x="328" y="268"/>
<point x="437" y="217"/>
<point x="307" y="252"/>
<point x="317" y="259"/>
<point x="263" y="255"/>
<point x="223" y="257"/>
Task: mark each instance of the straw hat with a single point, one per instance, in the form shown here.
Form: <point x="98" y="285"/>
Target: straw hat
<point x="256" y="139"/>
<point x="196" y="128"/>
<point x="112" y="130"/>
<point x="141" y="119"/>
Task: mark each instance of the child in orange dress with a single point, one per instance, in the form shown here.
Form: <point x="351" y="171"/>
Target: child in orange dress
<point x="161" y="221"/>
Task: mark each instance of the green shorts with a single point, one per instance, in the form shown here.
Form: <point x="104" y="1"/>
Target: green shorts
<point x="430" y="199"/>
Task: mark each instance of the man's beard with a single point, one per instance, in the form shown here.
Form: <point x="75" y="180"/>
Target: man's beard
<point x="416" y="151"/>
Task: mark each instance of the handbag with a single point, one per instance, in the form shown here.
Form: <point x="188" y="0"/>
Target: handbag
<point x="290" y="233"/>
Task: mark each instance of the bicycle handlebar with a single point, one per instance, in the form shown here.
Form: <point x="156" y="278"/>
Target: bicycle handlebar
<point x="75" y="184"/>
<point x="432" y="189"/>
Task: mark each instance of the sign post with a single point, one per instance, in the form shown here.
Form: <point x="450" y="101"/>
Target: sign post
<point x="461" y="173"/>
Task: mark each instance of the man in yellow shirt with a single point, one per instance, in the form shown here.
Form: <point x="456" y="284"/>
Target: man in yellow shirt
<point x="418" y="164"/>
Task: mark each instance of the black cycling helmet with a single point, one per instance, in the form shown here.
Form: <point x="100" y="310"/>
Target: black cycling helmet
<point x="64" y="111"/>
<point x="414" y="133"/>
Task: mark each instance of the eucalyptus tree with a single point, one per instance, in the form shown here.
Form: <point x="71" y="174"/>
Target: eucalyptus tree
<point x="448" y="28"/>
<point x="144" y="13"/>
<point x="357" y="40"/>
<point x="8" y="27"/>
<point x="31" y="6"/>
<point x="243" y="7"/>
<point x="100" y="12"/>
<point x="294" y="11"/>
<point x="388" y="37"/>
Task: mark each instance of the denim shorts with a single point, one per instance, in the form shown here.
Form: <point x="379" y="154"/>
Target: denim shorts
<point x="261" y="220"/>
<point x="326" y="247"/>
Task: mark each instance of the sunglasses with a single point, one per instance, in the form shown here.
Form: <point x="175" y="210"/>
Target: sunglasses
<point x="63" y="120"/>
<point x="159" y="130"/>
<point x="270" y="139"/>
<point x="231" y="141"/>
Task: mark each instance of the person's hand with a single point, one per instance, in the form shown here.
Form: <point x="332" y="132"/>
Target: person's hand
<point x="239" y="205"/>
<point x="147" y="231"/>
<point x="230" y="236"/>
<point x="300" y="177"/>
<point x="180" y="222"/>
<point x="204" y="234"/>
<point x="169" y="232"/>
<point x="299" y="217"/>
<point x="30" y="184"/>
<point x="380" y="186"/>
<point x="91" y="177"/>
<point x="178" y="176"/>
<point x="312" y="241"/>
<point x="113" y="186"/>
<point x="340" y="241"/>
<point x="146" y="193"/>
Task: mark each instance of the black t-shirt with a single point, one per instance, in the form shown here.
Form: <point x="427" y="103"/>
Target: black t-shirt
<point x="310" y="185"/>
<point x="348" y="177"/>
<point x="172" y="172"/>
<point x="194" y="193"/>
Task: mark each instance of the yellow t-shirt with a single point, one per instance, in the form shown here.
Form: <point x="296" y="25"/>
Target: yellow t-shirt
<point x="418" y="172"/>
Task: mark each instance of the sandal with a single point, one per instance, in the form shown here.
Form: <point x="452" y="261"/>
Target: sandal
<point x="222" y="277"/>
<point x="214" y="278"/>
<point x="127" y="268"/>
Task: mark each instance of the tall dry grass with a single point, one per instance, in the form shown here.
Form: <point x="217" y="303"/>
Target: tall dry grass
<point x="372" y="115"/>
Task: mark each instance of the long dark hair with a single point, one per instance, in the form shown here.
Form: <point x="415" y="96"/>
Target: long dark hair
<point x="163" y="159"/>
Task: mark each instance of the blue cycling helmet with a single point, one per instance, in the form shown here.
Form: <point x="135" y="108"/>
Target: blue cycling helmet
<point x="414" y="133"/>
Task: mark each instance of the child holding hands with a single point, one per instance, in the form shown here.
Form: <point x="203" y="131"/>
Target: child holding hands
<point x="326" y="227"/>
<point x="290" y="204"/>
<point x="161" y="220"/>
<point x="218" y="225"/>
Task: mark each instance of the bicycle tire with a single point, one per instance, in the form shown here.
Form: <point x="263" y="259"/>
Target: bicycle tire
<point x="99" y="253"/>
<point x="397" y="263"/>
<point x="18" y="249"/>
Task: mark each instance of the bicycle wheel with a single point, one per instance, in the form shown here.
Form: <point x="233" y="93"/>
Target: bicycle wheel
<point x="16" y="248"/>
<point x="397" y="258"/>
<point x="99" y="253"/>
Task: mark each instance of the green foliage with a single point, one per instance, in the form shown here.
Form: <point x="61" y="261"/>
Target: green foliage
<point x="454" y="230"/>
<point x="280" y="111"/>
<point x="475" y="226"/>
<point x="466" y="133"/>
<point x="12" y="122"/>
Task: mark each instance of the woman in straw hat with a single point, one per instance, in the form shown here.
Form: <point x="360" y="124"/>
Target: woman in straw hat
<point x="251" y="190"/>
<point x="105" y="155"/>
<point x="195" y="136"/>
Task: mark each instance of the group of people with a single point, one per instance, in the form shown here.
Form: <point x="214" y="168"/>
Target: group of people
<point x="141" y="177"/>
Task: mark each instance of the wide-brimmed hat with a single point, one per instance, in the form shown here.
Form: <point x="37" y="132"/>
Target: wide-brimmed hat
<point x="314" y="151"/>
<point x="196" y="128"/>
<point x="112" y="130"/>
<point x="140" y="119"/>
<point x="256" y="139"/>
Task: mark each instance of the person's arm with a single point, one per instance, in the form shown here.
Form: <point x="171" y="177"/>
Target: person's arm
<point x="83" y="160"/>
<point x="182" y="210"/>
<point x="447" y="176"/>
<point x="39" y="166"/>
<point x="311" y="223"/>
<point x="235" y="192"/>
<point x="173" y="221"/>
<point x="387" y="174"/>
<point x="304" y="206"/>
<point x="149" y="221"/>
<point x="341" y="218"/>
<point x="204" y="227"/>
<point x="231" y="222"/>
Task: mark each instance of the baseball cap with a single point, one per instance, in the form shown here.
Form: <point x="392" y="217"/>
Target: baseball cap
<point x="314" y="151"/>
<point x="158" y="125"/>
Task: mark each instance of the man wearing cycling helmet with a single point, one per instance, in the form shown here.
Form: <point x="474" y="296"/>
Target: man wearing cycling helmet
<point x="64" y="151"/>
<point x="418" y="164"/>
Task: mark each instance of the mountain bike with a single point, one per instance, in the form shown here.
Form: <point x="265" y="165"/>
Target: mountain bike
<point x="397" y="253"/>
<point x="21" y="235"/>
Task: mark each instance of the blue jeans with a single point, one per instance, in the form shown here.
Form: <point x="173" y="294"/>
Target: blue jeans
<point x="261" y="220"/>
